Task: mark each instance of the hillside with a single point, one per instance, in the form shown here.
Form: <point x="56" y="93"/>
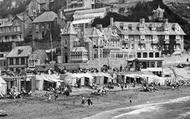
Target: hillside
<point x="144" y="10"/>
<point x="13" y="7"/>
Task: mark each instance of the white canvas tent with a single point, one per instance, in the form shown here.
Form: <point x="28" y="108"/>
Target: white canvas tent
<point x="3" y="86"/>
<point x="71" y="78"/>
<point x="46" y="77"/>
<point x="102" y="78"/>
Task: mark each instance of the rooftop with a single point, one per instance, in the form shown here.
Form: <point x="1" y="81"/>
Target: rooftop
<point x="48" y="16"/>
<point x="38" y="54"/>
<point x="79" y="49"/>
<point x="21" y="51"/>
<point x="133" y="28"/>
<point x="44" y="1"/>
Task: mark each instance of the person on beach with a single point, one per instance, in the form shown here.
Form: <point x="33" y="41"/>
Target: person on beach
<point x="89" y="101"/>
<point x="122" y="87"/>
<point x="49" y="97"/>
<point x="83" y="100"/>
<point x="130" y="100"/>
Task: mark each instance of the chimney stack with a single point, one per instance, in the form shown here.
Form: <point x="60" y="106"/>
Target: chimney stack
<point x="99" y="26"/>
<point x="166" y="21"/>
<point x="142" y="21"/>
<point x="111" y="21"/>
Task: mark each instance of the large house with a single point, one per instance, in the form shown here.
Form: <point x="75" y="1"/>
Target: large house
<point x="18" y="58"/>
<point x="45" y="30"/>
<point x="36" y="7"/>
<point x="37" y="58"/>
<point x="123" y="42"/>
<point x="13" y="30"/>
<point x="74" y="5"/>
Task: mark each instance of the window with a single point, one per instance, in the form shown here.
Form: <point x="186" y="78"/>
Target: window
<point x="18" y="28"/>
<point x="6" y="37"/>
<point x="151" y="55"/>
<point x="119" y="55"/>
<point x="126" y="55"/>
<point x="159" y="64"/>
<point x="14" y="37"/>
<point x="22" y="60"/>
<point x="17" y="61"/>
<point x="138" y="55"/>
<point x="1" y="55"/>
<point x="157" y="54"/>
<point x="132" y="46"/>
<point x="144" y="55"/>
<point x="11" y="61"/>
<point x="152" y="64"/>
<point x="95" y="53"/>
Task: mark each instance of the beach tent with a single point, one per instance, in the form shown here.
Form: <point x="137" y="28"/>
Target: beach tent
<point x="69" y="78"/>
<point x="85" y="78"/>
<point x="102" y="78"/>
<point x="48" y="78"/>
<point x="72" y="78"/>
<point x="3" y="86"/>
<point x="154" y="79"/>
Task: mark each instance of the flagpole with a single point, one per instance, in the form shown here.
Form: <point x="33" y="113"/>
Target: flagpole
<point x="51" y="43"/>
<point x="51" y="46"/>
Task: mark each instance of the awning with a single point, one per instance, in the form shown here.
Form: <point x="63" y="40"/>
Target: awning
<point x="177" y="53"/>
<point x="82" y="21"/>
<point x="49" y="78"/>
<point x="81" y="75"/>
<point x="101" y="74"/>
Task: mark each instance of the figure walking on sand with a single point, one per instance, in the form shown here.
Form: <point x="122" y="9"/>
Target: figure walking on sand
<point x="89" y="101"/>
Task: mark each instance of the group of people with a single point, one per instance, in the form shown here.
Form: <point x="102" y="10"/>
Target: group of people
<point x="88" y="101"/>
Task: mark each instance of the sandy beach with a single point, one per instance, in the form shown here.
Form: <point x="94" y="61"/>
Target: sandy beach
<point x="71" y="108"/>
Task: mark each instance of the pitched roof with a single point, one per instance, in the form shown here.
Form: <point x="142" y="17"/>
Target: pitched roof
<point x="21" y="51"/>
<point x="90" y="13"/>
<point x="68" y="29"/>
<point x="79" y="49"/>
<point x="159" y="28"/>
<point x="48" y="16"/>
<point x="38" y="54"/>
<point x="44" y="1"/>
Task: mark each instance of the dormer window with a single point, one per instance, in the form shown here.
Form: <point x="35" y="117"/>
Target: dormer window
<point x="174" y="27"/>
<point x="121" y="26"/>
<point x="141" y="27"/>
<point x="152" y="27"/>
<point x="130" y="27"/>
<point x="20" y="51"/>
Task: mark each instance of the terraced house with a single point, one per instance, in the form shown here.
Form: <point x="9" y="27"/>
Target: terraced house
<point x="13" y="30"/>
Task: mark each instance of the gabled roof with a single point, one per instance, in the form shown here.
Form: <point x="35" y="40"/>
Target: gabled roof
<point x="79" y="49"/>
<point x="21" y="51"/>
<point x="90" y="13"/>
<point x="38" y="54"/>
<point x="68" y="29"/>
<point x="96" y="33"/>
<point x="134" y="30"/>
<point x="44" y="1"/>
<point x="48" y="16"/>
